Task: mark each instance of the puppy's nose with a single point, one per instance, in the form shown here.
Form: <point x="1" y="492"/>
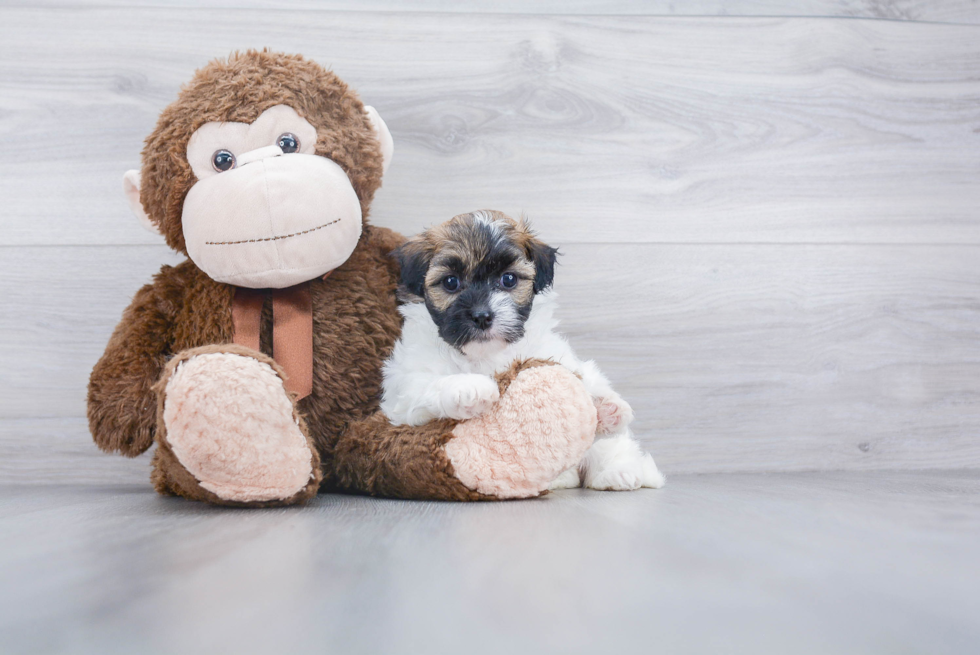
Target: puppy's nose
<point x="482" y="318"/>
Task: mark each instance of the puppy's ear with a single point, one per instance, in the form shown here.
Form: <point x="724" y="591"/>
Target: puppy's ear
<point x="413" y="257"/>
<point x="543" y="256"/>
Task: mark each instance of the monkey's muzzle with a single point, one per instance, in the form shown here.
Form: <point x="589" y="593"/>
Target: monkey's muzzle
<point x="273" y="221"/>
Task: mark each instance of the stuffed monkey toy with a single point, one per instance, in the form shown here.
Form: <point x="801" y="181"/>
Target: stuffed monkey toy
<point x="255" y="365"/>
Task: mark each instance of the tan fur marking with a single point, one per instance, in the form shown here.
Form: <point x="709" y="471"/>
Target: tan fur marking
<point x="439" y="297"/>
<point x="524" y="291"/>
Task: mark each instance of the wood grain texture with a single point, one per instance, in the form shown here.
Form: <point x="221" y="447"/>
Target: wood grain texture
<point x="604" y="129"/>
<point x="765" y="357"/>
<point x="947" y="11"/>
<point x="787" y="358"/>
<point x="60" y="451"/>
<point x="770" y="244"/>
<point x="742" y="564"/>
<point x="770" y="225"/>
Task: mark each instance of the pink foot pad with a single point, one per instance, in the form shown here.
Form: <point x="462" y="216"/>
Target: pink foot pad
<point x="614" y="413"/>
<point x="231" y="424"/>
<point x="542" y="425"/>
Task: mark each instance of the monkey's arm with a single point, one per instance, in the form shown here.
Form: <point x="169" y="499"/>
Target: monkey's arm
<point x="121" y="401"/>
<point x="397" y="461"/>
<point x="542" y="425"/>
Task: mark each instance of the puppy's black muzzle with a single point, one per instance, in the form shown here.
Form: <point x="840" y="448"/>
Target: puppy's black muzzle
<point x="475" y="303"/>
<point x="469" y="317"/>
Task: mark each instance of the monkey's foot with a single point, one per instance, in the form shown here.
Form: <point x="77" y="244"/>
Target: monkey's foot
<point x="228" y="432"/>
<point x="542" y="426"/>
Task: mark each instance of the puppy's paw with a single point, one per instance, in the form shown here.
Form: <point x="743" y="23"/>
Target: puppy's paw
<point x="467" y="395"/>
<point x="567" y="480"/>
<point x="614" y="414"/>
<point x="618" y="464"/>
<point x="627" y="476"/>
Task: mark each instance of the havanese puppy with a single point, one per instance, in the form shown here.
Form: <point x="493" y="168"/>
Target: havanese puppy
<point x="478" y="297"/>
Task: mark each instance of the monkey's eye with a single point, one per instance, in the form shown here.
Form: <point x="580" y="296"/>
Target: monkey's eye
<point x="222" y="160"/>
<point x="288" y="142"/>
<point x="450" y="283"/>
<point x="508" y="280"/>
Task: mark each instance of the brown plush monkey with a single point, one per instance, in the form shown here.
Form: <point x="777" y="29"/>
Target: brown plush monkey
<point x="255" y="365"/>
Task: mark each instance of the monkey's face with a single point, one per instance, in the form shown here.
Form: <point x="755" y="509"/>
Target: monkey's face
<point x="266" y="211"/>
<point x="262" y="171"/>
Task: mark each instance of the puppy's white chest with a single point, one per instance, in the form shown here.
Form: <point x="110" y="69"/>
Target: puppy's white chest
<point x="487" y="358"/>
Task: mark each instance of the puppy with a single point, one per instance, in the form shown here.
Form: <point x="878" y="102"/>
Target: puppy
<point x="478" y="297"/>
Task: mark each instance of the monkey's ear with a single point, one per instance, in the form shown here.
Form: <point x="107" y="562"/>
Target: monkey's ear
<point x="131" y="187"/>
<point x="413" y="257"/>
<point x="384" y="136"/>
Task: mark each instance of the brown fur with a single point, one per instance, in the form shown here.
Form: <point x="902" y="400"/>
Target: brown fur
<point x="355" y="319"/>
<point x="182" y="308"/>
<point x="405" y="461"/>
<point x="240" y="89"/>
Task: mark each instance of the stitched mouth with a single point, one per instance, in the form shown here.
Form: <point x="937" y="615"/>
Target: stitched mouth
<point x="276" y="238"/>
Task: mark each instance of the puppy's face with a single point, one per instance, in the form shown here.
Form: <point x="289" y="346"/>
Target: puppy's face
<point x="478" y="274"/>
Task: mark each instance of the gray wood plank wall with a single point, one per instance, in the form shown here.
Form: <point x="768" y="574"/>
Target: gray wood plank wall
<point x="949" y="11"/>
<point x="769" y="218"/>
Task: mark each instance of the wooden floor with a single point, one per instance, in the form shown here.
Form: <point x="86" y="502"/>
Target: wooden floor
<point x="769" y="219"/>
<point x="740" y="563"/>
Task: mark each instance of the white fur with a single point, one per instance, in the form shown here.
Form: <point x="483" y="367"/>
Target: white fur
<point x="425" y="378"/>
<point x="618" y="464"/>
<point x="486" y="218"/>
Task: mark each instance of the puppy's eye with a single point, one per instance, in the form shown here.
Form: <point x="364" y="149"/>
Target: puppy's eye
<point x="508" y="280"/>
<point x="288" y="142"/>
<point x="223" y="160"/>
<point x="450" y="283"/>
